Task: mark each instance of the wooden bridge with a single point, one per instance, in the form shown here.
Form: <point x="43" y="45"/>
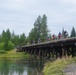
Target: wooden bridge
<point x="53" y="49"/>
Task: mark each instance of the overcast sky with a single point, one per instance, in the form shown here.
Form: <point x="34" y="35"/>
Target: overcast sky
<point x="20" y="15"/>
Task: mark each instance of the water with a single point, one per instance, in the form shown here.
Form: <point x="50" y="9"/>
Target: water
<point x="23" y="66"/>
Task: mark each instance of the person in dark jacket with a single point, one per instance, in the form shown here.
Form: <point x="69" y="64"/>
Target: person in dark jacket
<point x="65" y="34"/>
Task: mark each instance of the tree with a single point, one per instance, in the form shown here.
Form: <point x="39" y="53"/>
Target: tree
<point x="10" y="45"/>
<point x="16" y="40"/>
<point x="22" y="39"/>
<point x="9" y="40"/>
<point x="37" y="27"/>
<point x="44" y="29"/>
<point x="40" y="29"/>
<point x="2" y="46"/>
<point x="73" y="33"/>
<point x="3" y="36"/>
<point x="8" y="35"/>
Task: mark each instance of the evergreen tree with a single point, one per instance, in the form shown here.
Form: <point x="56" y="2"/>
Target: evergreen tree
<point x="22" y="39"/>
<point x="38" y="26"/>
<point x="40" y="29"/>
<point x="12" y="37"/>
<point x="3" y="36"/>
<point x="8" y="35"/>
<point x="44" y="29"/>
<point x="16" y="40"/>
<point x="2" y="46"/>
<point x="73" y="33"/>
<point x="10" y="45"/>
<point x="9" y="41"/>
<point x="32" y="35"/>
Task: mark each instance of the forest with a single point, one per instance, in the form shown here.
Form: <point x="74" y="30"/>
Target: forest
<point x="9" y="40"/>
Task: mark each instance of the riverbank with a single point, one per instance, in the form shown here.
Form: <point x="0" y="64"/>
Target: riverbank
<point x="58" y="66"/>
<point x="14" y="54"/>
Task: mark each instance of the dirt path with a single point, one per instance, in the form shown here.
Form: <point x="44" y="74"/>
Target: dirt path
<point x="70" y="69"/>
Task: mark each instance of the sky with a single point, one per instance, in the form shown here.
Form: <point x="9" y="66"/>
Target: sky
<point x="20" y="15"/>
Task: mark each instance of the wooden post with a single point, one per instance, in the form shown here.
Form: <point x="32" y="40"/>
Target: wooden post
<point x="34" y="51"/>
<point x="63" y="52"/>
<point x="60" y="52"/>
<point x="53" y="52"/>
<point x="39" y="53"/>
<point x="57" y="52"/>
<point x="49" y="53"/>
<point x="43" y="53"/>
<point x="73" y="51"/>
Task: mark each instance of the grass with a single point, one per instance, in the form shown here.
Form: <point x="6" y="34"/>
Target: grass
<point x="14" y="54"/>
<point x="56" y="67"/>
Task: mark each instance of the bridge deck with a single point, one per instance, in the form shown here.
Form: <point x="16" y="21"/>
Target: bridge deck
<point x="66" y="41"/>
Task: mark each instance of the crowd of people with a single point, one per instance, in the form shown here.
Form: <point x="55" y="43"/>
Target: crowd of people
<point x="60" y="36"/>
<point x="54" y="37"/>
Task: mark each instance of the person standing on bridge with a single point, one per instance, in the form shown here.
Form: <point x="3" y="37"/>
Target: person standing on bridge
<point x="59" y="35"/>
<point x="33" y="42"/>
<point x="39" y="40"/>
<point x="65" y="34"/>
<point x="48" y="38"/>
<point x="53" y="37"/>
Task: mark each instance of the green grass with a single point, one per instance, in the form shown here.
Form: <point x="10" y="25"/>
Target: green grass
<point x="56" y="67"/>
<point x="14" y="54"/>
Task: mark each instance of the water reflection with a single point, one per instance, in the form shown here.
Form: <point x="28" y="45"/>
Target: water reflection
<point x="29" y="66"/>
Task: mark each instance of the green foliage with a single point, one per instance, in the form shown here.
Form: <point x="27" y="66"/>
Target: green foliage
<point x="73" y="33"/>
<point x="22" y="39"/>
<point x="1" y="45"/>
<point x="15" y="40"/>
<point x="2" y="51"/>
<point x="44" y="29"/>
<point x="56" y="67"/>
<point x="10" y="45"/>
<point x="9" y="40"/>
<point x="40" y="30"/>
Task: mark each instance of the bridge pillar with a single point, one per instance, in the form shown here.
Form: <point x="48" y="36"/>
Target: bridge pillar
<point x="43" y="53"/>
<point x="31" y="51"/>
<point x="49" y="53"/>
<point x="57" y="52"/>
<point x="73" y="51"/>
<point x="26" y="50"/>
<point x="53" y="52"/>
<point x="34" y="51"/>
<point x="67" y="50"/>
<point x="60" y="52"/>
<point x="40" y="53"/>
<point x="63" y="52"/>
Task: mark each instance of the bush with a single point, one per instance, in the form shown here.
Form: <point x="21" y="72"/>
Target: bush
<point x="2" y="46"/>
<point x="2" y="51"/>
<point x="10" y="45"/>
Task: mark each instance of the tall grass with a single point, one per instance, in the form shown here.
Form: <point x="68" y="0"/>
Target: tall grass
<point x="56" y="67"/>
<point x="14" y="54"/>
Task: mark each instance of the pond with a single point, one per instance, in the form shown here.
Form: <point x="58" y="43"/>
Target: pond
<point x="23" y="66"/>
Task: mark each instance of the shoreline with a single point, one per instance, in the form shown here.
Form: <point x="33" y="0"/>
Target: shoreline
<point x="56" y="67"/>
<point x="14" y="54"/>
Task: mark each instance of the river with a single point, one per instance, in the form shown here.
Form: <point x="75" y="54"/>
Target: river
<point x="23" y="66"/>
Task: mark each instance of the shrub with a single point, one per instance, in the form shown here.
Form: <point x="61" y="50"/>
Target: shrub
<point x="2" y="51"/>
<point x="10" y="45"/>
<point x="2" y="46"/>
